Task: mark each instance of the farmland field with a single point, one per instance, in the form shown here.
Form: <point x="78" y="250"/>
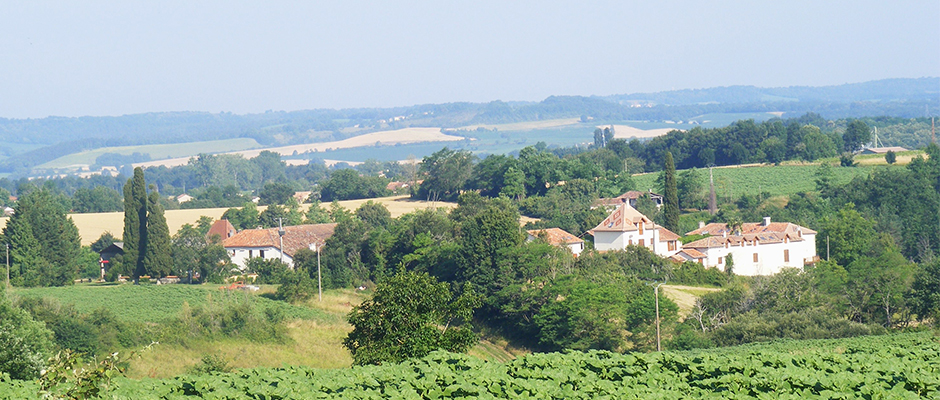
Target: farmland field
<point x="403" y="136"/>
<point x="156" y="151"/>
<point x="902" y="366"/>
<point x="92" y="225"/>
<point x="732" y="182"/>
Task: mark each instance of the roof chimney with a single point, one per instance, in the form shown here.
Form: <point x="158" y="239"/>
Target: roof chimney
<point x="701" y="224"/>
<point x="766" y="221"/>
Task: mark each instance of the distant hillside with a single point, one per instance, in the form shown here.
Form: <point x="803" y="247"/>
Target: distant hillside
<point x="26" y="143"/>
<point x="886" y="90"/>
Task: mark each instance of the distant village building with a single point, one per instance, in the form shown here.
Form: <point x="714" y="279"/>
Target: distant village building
<point x="626" y="226"/>
<point x="558" y="237"/>
<point x="8" y="211"/>
<point x="302" y="197"/>
<point x="184" y="198"/>
<point x="883" y="150"/>
<point x="761" y="248"/>
<point x="221" y="228"/>
<point x="266" y="243"/>
<point x="107" y="253"/>
<point x="630" y="197"/>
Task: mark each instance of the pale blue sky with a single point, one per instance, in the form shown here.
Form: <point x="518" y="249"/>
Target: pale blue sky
<point x="71" y="58"/>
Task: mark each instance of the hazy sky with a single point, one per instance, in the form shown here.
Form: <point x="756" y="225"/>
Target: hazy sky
<point x="76" y="58"/>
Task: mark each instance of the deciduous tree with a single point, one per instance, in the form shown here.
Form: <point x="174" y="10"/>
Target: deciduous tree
<point x="410" y="315"/>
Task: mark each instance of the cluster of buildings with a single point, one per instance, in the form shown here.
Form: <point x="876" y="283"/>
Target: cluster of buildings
<point x="761" y="248"/>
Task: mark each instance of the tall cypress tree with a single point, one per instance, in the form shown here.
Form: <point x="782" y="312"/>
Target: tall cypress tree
<point x="135" y="224"/>
<point x="671" y="208"/>
<point x="158" y="260"/>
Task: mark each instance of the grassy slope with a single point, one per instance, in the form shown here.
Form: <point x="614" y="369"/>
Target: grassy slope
<point x="317" y="329"/>
<point x="731" y="182"/>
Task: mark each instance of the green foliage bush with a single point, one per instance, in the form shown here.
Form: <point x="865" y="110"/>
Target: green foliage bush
<point x="24" y="342"/>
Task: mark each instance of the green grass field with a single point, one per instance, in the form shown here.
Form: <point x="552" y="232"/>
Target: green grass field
<point x="777" y="180"/>
<point x="157" y="303"/>
<point x="156" y="151"/>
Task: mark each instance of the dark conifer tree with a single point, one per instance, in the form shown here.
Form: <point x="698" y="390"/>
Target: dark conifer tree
<point x="671" y="208"/>
<point x="158" y="260"/>
<point x="135" y="224"/>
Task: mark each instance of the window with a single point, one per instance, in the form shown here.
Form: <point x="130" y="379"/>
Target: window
<point x="755" y="257"/>
<point x="786" y="256"/>
<point x="261" y="253"/>
<point x="642" y="242"/>
<point x="721" y="260"/>
<point x="250" y="253"/>
<point x="640" y="227"/>
<point x="672" y="245"/>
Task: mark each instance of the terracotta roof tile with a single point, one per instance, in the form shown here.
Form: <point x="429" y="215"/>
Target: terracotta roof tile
<point x="556" y="236"/>
<point x="295" y="237"/>
<point x="623" y="219"/>
<point x="223" y="228"/>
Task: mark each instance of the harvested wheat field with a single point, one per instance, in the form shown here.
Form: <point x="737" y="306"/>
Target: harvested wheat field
<point x="627" y="132"/>
<point x="92" y="225"/>
<point x="399" y="136"/>
<point x="523" y="126"/>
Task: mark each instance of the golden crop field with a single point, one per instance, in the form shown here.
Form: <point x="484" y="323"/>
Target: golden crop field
<point x="627" y="132"/>
<point x="398" y="136"/>
<point x="92" y="225"/>
<point x="524" y="126"/>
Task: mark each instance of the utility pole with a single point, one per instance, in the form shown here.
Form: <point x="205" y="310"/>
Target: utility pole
<point x="319" y="278"/>
<point x="656" y="295"/>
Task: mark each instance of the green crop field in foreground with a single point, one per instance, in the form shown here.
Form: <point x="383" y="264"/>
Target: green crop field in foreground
<point x="156" y="151"/>
<point x="732" y="182"/>
<point x="902" y="366"/>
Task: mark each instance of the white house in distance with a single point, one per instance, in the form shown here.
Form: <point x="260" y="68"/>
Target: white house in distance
<point x="626" y="226"/>
<point x="761" y="248"/>
<point x="266" y="243"/>
<point x="558" y="237"/>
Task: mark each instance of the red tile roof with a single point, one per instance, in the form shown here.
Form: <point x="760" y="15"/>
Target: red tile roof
<point x="719" y="229"/>
<point x="556" y="236"/>
<point x="623" y="219"/>
<point x="295" y="237"/>
<point x="223" y="228"/>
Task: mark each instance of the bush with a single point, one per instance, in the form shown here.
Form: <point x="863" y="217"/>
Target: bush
<point x="296" y="287"/>
<point x="210" y="363"/>
<point x="693" y="273"/>
<point x="24" y="342"/>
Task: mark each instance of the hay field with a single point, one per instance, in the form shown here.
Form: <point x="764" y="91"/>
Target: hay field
<point x="627" y="132"/>
<point x="399" y="136"/>
<point x="524" y="126"/>
<point x="92" y="225"/>
<point x="87" y="158"/>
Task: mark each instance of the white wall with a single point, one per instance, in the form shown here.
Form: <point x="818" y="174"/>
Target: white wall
<point x="239" y="255"/>
<point x="770" y="257"/>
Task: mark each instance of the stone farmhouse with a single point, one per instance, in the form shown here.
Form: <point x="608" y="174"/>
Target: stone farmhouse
<point x="558" y="237"/>
<point x="626" y="226"/>
<point x="266" y="243"/>
<point x="761" y="248"/>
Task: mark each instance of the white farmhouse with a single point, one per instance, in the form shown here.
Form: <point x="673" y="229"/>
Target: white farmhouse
<point x="626" y="226"/>
<point x="266" y="243"/>
<point x="558" y="237"/>
<point x="762" y="248"/>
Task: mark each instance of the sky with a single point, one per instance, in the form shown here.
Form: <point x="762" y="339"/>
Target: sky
<point x="97" y="58"/>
